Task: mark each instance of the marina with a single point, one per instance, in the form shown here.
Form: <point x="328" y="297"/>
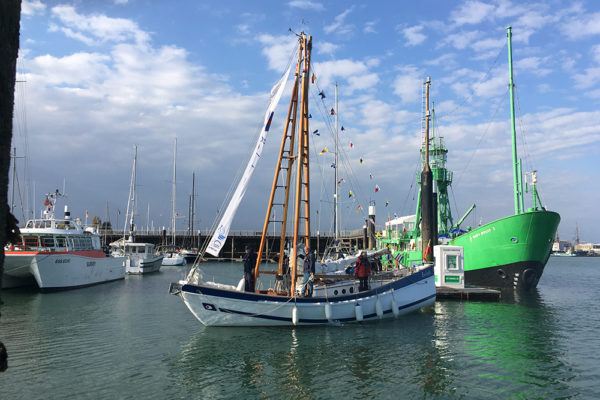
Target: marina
<point x="131" y="339"/>
<point x="365" y="217"/>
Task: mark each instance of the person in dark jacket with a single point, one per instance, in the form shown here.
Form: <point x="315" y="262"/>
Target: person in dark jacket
<point x="308" y="269"/>
<point x="362" y="271"/>
<point x="249" y="264"/>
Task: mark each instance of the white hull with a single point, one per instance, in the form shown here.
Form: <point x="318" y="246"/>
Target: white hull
<point x="215" y="305"/>
<point x="56" y="271"/>
<point x="138" y="266"/>
<point x="174" y="259"/>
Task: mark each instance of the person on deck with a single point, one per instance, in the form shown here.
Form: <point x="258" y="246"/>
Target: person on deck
<point x="362" y="271"/>
<point x="308" y="269"/>
<point x="249" y="264"/>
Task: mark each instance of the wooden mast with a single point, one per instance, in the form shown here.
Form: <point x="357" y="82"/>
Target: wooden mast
<point x="287" y="152"/>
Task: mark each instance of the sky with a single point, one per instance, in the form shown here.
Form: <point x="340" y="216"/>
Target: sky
<point x="97" y="78"/>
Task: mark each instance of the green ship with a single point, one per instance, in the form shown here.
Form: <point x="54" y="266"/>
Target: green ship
<point x="510" y="252"/>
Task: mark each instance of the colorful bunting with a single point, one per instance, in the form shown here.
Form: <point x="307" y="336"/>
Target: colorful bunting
<point x="358" y="209"/>
<point x="343" y="128"/>
<point x="324" y="151"/>
<point x="309" y="116"/>
<point x="332" y="112"/>
<point x="376" y="188"/>
<point x="361" y="160"/>
<point x="351" y="145"/>
<point x="387" y="203"/>
<point x="341" y="180"/>
<point x="322" y="95"/>
<point x="350" y="194"/>
<point x="370" y="176"/>
<point x="332" y="165"/>
<point x="313" y="78"/>
<point x="316" y="133"/>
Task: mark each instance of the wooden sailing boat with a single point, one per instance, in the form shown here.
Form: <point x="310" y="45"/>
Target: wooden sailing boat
<point x="224" y="305"/>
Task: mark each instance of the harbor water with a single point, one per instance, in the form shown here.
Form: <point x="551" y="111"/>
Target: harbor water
<point x="130" y="339"/>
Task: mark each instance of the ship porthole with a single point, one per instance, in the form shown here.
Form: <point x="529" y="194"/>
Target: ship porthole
<point x="335" y="292"/>
<point x="343" y="291"/>
<point x="514" y="239"/>
<point x="351" y="290"/>
<point x="501" y="273"/>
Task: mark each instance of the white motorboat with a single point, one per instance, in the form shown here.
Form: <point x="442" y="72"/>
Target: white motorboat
<point x="141" y="257"/>
<point x="57" y="254"/>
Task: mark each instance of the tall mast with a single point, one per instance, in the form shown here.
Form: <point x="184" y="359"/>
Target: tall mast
<point x="336" y="222"/>
<point x="516" y="180"/>
<point x="174" y="188"/>
<point x="132" y="196"/>
<point x="193" y="200"/>
<point x="427" y="238"/>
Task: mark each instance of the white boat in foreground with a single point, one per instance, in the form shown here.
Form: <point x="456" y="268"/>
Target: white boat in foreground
<point x="336" y="298"/>
<point x="222" y="305"/>
<point x="58" y="254"/>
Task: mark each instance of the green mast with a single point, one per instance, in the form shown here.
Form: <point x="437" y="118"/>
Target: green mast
<point x="516" y="178"/>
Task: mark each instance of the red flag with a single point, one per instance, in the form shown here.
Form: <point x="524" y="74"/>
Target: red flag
<point x="426" y="252"/>
<point x="376" y="188"/>
<point x="351" y="145"/>
<point x="313" y="78"/>
<point x="332" y="112"/>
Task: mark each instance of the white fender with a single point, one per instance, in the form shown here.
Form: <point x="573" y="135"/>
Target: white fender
<point x="395" y="309"/>
<point x="240" y="285"/>
<point x="295" y="315"/>
<point x="358" y="311"/>
<point x="378" y="308"/>
<point x="328" y="311"/>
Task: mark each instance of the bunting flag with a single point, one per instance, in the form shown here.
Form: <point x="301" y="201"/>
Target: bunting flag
<point x="314" y="78"/>
<point x="343" y="128"/>
<point x="322" y="95"/>
<point x="324" y="151"/>
<point x="398" y="258"/>
<point x="86" y="214"/>
<point x="351" y="145"/>
<point x="341" y="180"/>
<point x="309" y="116"/>
<point x="386" y="203"/>
<point x="332" y="165"/>
<point x="316" y="133"/>
<point x="361" y="160"/>
<point x="376" y="188"/>
<point x="370" y="176"/>
<point x="350" y="194"/>
<point x="332" y="112"/>
<point x="404" y="229"/>
<point x="358" y="208"/>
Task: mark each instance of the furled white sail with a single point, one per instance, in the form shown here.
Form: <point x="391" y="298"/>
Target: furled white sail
<point x="218" y="239"/>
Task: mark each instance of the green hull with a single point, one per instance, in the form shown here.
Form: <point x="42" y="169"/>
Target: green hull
<point x="509" y="252"/>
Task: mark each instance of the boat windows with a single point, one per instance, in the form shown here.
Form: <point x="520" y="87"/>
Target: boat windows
<point x="30" y="242"/>
<point x="47" y="241"/>
<point x="60" y="241"/>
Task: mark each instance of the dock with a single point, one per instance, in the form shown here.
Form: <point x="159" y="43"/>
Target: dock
<point x="467" y="293"/>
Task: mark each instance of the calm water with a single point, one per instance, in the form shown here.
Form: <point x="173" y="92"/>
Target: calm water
<point x="131" y="339"/>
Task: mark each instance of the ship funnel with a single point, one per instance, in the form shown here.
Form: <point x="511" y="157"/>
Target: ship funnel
<point x="67" y="213"/>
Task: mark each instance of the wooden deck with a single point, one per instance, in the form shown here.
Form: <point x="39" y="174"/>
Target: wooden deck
<point x="468" y="293"/>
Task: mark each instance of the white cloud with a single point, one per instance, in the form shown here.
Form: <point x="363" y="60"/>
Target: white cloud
<point x="370" y="26"/>
<point x="32" y="7"/>
<point x="278" y="50"/>
<point x="582" y="25"/>
<point x="408" y="84"/>
<point x="338" y="24"/>
<point x="306" y="5"/>
<point x="471" y="12"/>
<point x="414" y="35"/>
<point x="356" y="74"/>
<point x="97" y="28"/>
<point x="326" y="48"/>
<point x="588" y="79"/>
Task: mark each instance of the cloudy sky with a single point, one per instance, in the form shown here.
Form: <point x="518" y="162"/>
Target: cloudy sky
<point x="97" y="78"/>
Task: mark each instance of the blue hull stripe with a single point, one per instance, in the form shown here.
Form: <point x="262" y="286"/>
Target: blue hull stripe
<point x="233" y="294"/>
<point x="321" y="321"/>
